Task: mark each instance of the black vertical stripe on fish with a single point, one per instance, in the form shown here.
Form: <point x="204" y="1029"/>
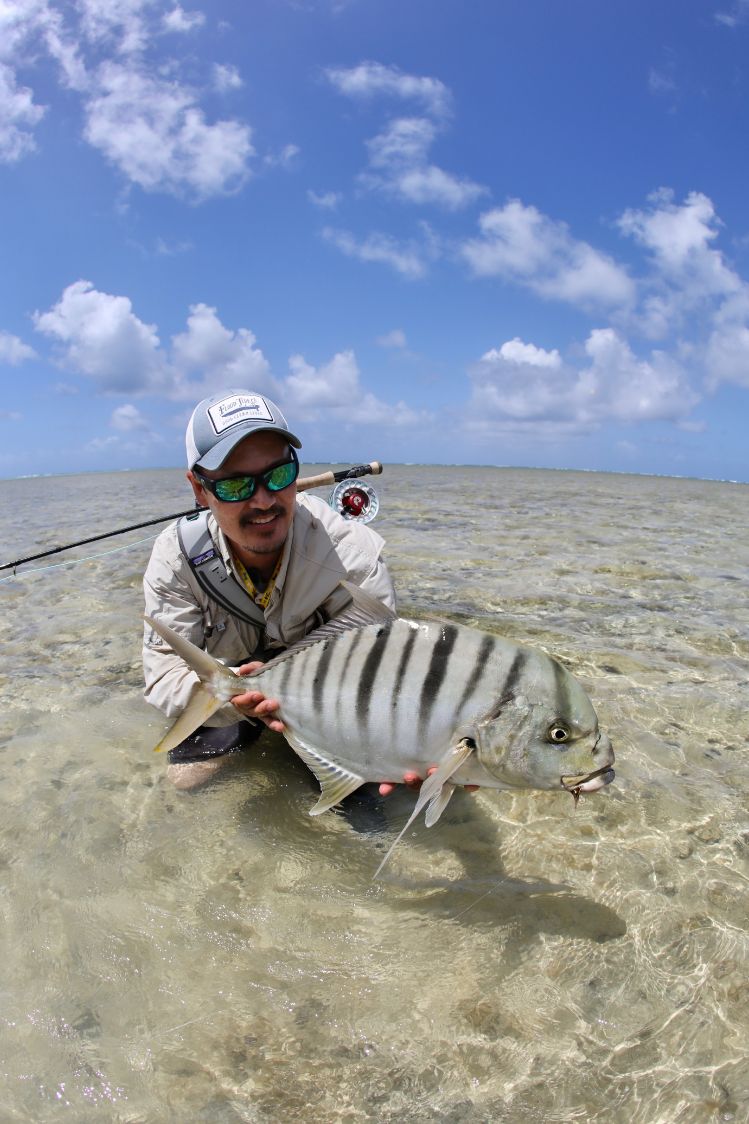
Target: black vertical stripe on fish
<point x="435" y="675"/>
<point x="477" y="672"/>
<point x="285" y="673"/>
<point x="402" y="666"/>
<point x="508" y="687"/>
<point x="368" y="675"/>
<point x="561" y="690"/>
<point x="321" y="673"/>
<point x="305" y="660"/>
<point x="342" y="683"/>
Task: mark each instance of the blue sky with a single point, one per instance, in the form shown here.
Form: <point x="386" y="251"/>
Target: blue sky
<point x="483" y="232"/>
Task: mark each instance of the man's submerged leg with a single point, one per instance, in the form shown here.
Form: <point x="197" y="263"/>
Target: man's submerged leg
<point x="207" y="751"/>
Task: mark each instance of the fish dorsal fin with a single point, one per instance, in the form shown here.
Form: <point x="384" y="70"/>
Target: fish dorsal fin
<point x="335" y="781"/>
<point x="431" y="792"/>
<point x="362" y="609"/>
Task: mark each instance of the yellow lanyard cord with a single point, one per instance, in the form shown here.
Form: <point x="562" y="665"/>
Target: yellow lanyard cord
<point x="249" y="585"/>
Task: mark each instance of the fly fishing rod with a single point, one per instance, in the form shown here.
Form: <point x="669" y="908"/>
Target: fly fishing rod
<point x="357" y="501"/>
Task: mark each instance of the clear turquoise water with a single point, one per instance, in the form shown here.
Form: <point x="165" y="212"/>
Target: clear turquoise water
<point x="221" y="956"/>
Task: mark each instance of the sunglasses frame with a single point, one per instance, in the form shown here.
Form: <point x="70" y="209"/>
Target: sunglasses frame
<point x="256" y="478"/>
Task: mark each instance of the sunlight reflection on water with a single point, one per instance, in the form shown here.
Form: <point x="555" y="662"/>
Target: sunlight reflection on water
<point x="223" y="956"/>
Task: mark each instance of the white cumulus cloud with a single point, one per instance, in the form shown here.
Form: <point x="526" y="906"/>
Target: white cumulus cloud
<point x="127" y="419"/>
<point x="334" y="392"/>
<point x="406" y="259"/>
<point x="156" y="134"/>
<point x="374" y="79"/>
<point x="515" y="351"/>
<point x="396" y="338"/>
<point x="518" y="243"/>
<point x="687" y="272"/>
<point x="519" y="386"/>
<point x="18" y="115"/>
<point x="399" y="166"/>
<point x="117" y="24"/>
<point x="13" y="350"/>
<point x="101" y="337"/>
<point x="178" y="20"/>
<point x="219" y="356"/>
<point x="146" y="121"/>
<point x="325" y="200"/>
<point x="727" y="355"/>
<point x="226" y="77"/>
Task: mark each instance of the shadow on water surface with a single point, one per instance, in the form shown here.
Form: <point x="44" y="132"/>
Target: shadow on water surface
<point x="482" y="895"/>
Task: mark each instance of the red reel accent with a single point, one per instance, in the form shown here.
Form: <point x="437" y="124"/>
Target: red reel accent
<point x="355" y="502"/>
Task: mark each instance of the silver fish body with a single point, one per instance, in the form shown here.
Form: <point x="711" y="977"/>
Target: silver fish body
<point x="371" y="696"/>
<point x="393" y="697"/>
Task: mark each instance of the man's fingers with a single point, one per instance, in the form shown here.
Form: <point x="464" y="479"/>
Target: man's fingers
<point x="274" y="724"/>
<point x="248" y="668"/>
<point x="413" y="780"/>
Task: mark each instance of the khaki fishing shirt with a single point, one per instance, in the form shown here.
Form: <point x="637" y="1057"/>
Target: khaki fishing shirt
<point x="320" y="550"/>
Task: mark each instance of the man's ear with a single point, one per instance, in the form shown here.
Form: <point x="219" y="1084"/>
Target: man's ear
<point x="198" y="489"/>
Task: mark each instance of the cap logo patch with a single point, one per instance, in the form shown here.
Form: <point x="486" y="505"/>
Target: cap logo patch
<point x="238" y="408"/>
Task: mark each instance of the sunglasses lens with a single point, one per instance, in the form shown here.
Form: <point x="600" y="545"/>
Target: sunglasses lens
<point x="234" y="489"/>
<point x="281" y="476"/>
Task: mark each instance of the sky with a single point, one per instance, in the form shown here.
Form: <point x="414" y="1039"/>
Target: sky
<point x="510" y="232"/>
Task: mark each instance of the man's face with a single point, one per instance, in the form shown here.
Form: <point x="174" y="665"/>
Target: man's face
<point x="257" y="527"/>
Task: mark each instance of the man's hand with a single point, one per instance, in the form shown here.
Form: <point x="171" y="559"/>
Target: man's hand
<point x="253" y="704"/>
<point x="413" y="780"/>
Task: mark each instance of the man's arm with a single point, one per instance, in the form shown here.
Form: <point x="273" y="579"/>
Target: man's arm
<point x="169" y="683"/>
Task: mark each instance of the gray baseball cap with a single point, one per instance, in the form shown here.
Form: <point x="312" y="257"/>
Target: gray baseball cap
<point x="220" y="422"/>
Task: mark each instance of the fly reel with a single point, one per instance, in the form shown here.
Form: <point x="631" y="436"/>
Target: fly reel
<point x="354" y="500"/>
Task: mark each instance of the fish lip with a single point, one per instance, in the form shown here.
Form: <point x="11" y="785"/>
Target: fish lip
<point x="604" y="775"/>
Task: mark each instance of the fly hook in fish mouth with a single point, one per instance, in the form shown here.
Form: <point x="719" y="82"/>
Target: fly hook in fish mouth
<point x="589" y="782"/>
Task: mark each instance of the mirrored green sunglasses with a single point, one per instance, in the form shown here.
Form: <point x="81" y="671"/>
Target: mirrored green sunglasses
<point x="234" y="489"/>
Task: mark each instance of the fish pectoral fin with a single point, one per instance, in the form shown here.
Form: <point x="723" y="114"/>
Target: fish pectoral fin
<point x="438" y="803"/>
<point x="431" y="792"/>
<point x="335" y="781"/>
<point x="201" y="706"/>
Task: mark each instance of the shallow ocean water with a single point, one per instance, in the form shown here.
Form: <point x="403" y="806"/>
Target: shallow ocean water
<point x="221" y="956"/>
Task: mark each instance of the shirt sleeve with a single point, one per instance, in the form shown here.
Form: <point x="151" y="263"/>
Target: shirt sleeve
<point x="169" y="683"/>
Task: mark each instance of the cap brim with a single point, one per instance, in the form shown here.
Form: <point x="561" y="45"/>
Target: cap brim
<point x="216" y="456"/>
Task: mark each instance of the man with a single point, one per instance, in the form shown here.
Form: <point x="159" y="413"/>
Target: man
<point x="256" y="572"/>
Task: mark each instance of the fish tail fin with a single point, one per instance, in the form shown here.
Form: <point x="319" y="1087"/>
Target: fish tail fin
<point x="218" y="685"/>
<point x="212" y="673"/>
<point x="199" y="709"/>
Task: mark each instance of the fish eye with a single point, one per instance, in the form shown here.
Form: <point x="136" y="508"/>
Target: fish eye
<point x="558" y="734"/>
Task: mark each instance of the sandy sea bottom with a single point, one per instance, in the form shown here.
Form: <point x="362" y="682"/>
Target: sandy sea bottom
<point x="221" y="956"/>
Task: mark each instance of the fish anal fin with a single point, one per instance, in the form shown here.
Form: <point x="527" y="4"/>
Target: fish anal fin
<point x="335" y="781"/>
<point x="432" y="789"/>
<point x="438" y="803"/>
<point x="201" y="706"/>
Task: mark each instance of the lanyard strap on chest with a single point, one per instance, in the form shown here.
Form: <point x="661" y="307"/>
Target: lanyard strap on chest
<point x="211" y="573"/>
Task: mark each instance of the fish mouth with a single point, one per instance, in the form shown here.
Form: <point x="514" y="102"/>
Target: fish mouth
<point x="588" y="782"/>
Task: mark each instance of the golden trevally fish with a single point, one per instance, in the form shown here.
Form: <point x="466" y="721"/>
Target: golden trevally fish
<point x="369" y="696"/>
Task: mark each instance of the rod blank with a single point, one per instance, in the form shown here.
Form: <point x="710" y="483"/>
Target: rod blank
<point x="374" y="468"/>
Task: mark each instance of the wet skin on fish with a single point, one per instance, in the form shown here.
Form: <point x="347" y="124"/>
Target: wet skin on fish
<point x="370" y="696"/>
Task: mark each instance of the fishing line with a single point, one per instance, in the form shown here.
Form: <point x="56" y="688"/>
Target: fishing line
<point x="75" y="561"/>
